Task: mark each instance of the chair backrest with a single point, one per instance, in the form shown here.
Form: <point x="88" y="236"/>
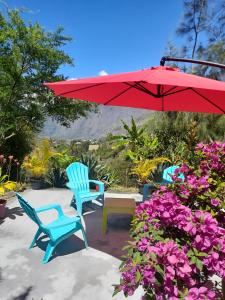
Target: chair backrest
<point x="29" y="210"/>
<point x="169" y="172"/>
<point x="78" y="175"/>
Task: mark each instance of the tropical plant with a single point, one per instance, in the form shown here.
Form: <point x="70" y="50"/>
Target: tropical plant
<point x="57" y="169"/>
<point x="144" y="168"/>
<point x="95" y="169"/>
<point x="109" y="178"/>
<point x="157" y="174"/>
<point x="137" y="144"/>
<point x="178" y="236"/>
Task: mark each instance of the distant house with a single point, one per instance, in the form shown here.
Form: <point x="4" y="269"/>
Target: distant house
<point x="93" y="147"/>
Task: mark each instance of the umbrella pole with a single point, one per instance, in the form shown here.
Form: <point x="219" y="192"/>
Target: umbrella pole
<point x="193" y="61"/>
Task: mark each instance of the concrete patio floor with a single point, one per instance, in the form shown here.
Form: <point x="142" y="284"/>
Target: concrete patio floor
<point x="73" y="273"/>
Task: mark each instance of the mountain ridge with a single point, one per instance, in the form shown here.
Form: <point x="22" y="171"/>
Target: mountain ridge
<point x="96" y="125"/>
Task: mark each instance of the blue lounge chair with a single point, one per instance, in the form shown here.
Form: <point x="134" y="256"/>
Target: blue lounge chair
<point x="57" y="231"/>
<point x="79" y="184"/>
<point x="167" y="178"/>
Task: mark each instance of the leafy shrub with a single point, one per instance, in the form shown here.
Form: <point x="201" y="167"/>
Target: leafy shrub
<point x="37" y="164"/>
<point x="179" y="235"/>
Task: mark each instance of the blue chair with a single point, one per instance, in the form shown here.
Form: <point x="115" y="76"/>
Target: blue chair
<point x="57" y="231"/>
<point x="167" y="178"/>
<point x="169" y="172"/>
<point x="79" y="184"/>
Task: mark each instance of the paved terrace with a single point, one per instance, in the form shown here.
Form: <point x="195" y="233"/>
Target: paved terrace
<point x="73" y="273"/>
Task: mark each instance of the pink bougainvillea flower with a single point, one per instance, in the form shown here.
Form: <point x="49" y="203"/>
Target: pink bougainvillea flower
<point x="201" y="293"/>
<point x="172" y="259"/>
<point x="215" y="202"/>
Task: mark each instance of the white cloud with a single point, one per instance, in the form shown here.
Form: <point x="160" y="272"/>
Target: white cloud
<point x="102" y="73"/>
<point x="72" y="78"/>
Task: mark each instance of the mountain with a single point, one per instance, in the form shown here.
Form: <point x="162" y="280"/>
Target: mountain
<point x="96" y="125"/>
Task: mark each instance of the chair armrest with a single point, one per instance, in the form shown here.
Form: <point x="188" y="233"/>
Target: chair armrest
<point x="100" y="184"/>
<point x="49" y="207"/>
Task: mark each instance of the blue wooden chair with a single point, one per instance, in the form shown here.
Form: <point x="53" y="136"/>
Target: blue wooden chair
<point x="57" y="231"/>
<point x="166" y="179"/>
<point x="79" y="183"/>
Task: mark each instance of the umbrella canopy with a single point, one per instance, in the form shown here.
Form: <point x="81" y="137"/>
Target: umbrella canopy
<point x="158" y="88"/>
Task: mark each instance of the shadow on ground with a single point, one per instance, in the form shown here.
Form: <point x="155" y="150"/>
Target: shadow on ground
<point x="24" y="295"/>
<point x="12" y="213"/>
<point x="110" y="243"/>
<point x="70" y="245"/>
<point x="117" y="234"/>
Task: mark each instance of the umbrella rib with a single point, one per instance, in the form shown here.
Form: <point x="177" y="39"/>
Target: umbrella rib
<point x="169" y="90"/>
<point x="205" y="98"/>
<point x="185" y="89"/>
<point x="116" y="96"/>
<point x="80" y="89"/>
<point x="141" y="88"/>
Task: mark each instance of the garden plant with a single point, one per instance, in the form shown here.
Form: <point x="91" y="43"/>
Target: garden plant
<point x="178" y="236"/>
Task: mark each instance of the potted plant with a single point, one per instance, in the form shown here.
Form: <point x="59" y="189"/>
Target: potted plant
<point x="144" y="168"/>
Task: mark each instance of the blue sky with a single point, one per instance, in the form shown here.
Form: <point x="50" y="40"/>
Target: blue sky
<point x="110" y="35"/>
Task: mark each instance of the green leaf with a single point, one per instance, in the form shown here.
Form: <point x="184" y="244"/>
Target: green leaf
<point x="199" y="264"/>
<point x="138" y="276"/>
<point x="116" y="290"/>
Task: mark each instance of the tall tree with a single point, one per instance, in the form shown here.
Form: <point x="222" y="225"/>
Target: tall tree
<point x="194" y="22"/>
<point x="203" y="26"/>
<point x="30" y="56"/>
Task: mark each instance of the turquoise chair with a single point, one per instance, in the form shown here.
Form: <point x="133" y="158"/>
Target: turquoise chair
<point x="57" y="231"/>
<point x="169" y="172"/>
<point x="166" y="179"/>
<point x="79" y="184"/>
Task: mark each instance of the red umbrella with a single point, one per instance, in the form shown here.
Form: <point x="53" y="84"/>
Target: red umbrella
<point x="158" y="88"/>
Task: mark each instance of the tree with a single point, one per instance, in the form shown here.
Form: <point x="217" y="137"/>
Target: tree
<point x="194" y="21"/>
<point x="203" y="25"/>
<point x="30" y="56"/>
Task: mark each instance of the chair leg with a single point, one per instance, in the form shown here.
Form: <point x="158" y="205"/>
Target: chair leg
<point x="35" y="238"/>
<point x="48" y="252"/>
<point x="104" y="220"/>
<point x="84" y="236"/>
<point x="79" y="208"/>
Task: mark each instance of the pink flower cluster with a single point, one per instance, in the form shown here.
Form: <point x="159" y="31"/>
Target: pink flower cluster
<point x="200" y="227"/>
<point x="200" y="294"/>
<point x="212" y="157"/>
<point x="203" y="187"/>
<point x="177" y="242"/>
<point x="203" y="233"/>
